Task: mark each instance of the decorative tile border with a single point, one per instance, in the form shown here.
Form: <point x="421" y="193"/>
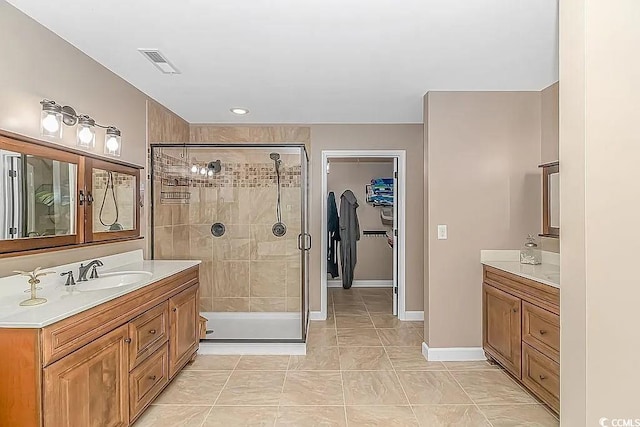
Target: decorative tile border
<point x="176" y="173"/>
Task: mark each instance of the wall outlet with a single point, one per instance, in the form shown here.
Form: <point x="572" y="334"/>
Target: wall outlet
<point x="442" y="232"/>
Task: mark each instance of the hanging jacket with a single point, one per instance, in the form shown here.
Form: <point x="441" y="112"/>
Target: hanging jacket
<point x="333" y="228"/>
<point x="349" y="236"/>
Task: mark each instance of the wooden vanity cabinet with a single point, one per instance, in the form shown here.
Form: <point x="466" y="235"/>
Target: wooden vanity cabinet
<point x="502" y="327"/>
<point x="90" y="387"/>
<point x="184" y="317"/>
<point x="104" y="366"/>
<point x="521" y="331"/>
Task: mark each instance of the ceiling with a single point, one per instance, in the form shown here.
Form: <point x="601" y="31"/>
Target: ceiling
<point x="312" y="61"/>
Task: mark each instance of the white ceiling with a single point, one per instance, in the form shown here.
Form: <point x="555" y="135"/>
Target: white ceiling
<point x="312" y="61"/>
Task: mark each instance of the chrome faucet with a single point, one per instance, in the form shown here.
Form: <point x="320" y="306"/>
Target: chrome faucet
<point x="82" y="275"/>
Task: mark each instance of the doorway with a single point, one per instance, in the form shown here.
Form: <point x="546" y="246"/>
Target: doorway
<point x="383" y="234"/>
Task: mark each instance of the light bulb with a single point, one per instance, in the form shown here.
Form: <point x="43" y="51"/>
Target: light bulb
<point x="210" y="173"/>
<point x="85" y="135"/>
<point x="112" y="143"/>
<point x="203" y="171"/>
<point x="51" y="123"/>
<point x="194" y="169"/>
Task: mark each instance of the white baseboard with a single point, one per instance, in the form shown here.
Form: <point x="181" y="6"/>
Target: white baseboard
<point x="317" y="315"/>
<point x="362" y="284"/>
<point x="414" y="315"/>
<point x="452" y="354"/>
<point x="295" y="349"/>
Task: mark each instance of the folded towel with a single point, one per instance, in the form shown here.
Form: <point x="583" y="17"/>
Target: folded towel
<point x="382" y="181"/>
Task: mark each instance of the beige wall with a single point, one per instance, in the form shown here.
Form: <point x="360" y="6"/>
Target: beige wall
<point x="550" y="141"/>
<point x="371" y="137"/>
<point x="164" y="125"/>
<point x="599" y="154"/>
<point x="37" y="64"/>
<point x="549" y="124"/>
<point x="375" y="257"/>
<point x="484" y="183"/>
<point x="250" y="134"/>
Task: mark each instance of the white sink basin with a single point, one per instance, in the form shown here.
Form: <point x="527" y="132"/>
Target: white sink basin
<point x="114" y="280"/>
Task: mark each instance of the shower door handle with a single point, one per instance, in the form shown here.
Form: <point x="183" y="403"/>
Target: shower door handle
<point x="300" y="242"/>
<point x="307" y="235"/>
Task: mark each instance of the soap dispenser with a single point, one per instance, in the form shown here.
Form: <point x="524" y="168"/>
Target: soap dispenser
<point x="530" y="254"/>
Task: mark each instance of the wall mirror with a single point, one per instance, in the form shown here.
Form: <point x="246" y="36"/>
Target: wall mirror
<point x="53" y="196"/>
<point x="550" y="199"/>
<point x="114" y="200"/>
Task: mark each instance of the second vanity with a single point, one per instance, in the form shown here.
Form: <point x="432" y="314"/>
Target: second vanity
<point x="521" y="320"/>
<point x="96" y="356"/>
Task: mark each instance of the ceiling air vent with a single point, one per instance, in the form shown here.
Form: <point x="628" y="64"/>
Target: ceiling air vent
<point x="159" y="60"/>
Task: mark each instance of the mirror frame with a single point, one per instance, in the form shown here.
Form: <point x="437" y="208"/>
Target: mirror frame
<point x="548" y="169"/>
<point x="84" y="235"/>
<point x="30" y="243"/>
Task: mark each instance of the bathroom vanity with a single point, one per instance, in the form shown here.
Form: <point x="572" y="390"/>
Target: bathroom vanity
<point x="521" y="320"/>
<point x="96" y="356"/>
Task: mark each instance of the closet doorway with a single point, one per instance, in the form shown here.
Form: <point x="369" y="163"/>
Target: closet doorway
<point x="382" y="233"/>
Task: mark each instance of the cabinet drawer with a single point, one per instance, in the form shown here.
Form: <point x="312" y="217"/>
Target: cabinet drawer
<point x="147" y="381"/>
<point x="147" y="333"/>
<point x="541" y="375"/>
<point x="541" y="329"/>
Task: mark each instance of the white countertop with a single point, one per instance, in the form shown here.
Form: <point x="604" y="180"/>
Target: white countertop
<point x="509" y="260"/>
<point x="63" y="301"/>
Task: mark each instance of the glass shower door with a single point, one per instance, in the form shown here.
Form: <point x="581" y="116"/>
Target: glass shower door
<point x="305" y="239"/>
<point x="242" y="211"/>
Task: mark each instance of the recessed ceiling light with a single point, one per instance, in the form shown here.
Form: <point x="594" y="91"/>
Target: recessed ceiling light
<point x="239" y="111"/>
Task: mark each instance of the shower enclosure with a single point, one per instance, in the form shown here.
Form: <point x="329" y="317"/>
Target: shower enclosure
<point x="242" y="211"/>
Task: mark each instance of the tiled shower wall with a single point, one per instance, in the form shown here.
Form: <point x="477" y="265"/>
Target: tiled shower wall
<point x="247" y="269"/>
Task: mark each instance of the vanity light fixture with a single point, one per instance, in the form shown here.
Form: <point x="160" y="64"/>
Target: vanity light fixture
<point x="239" y="111"/>
<point x="112" y="142"/>
<point x="51" y="119"/>
<point x="54" y="115"/>
<point x="86" y="132"/>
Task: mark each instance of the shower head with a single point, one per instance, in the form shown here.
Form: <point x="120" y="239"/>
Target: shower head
<point x="275" y="156"/>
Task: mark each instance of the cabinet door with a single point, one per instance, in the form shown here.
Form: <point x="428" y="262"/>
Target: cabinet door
<point x="183" y="336"/>
<point x="90" y="386"/>
<point x="501" y="327"/>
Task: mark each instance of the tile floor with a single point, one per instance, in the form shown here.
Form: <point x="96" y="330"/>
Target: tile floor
<point x="363" y="368"/>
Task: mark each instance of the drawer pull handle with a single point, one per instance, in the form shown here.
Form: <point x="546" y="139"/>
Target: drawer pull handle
<point x="127" y="340"/>
<point x="542" y="332"/>
<point x="515" y="310"/>
<point x="542" y="378"/>
<point x="152" y="331"/>
<point x="174" y="309"/>
<point x="152" y="377"/>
